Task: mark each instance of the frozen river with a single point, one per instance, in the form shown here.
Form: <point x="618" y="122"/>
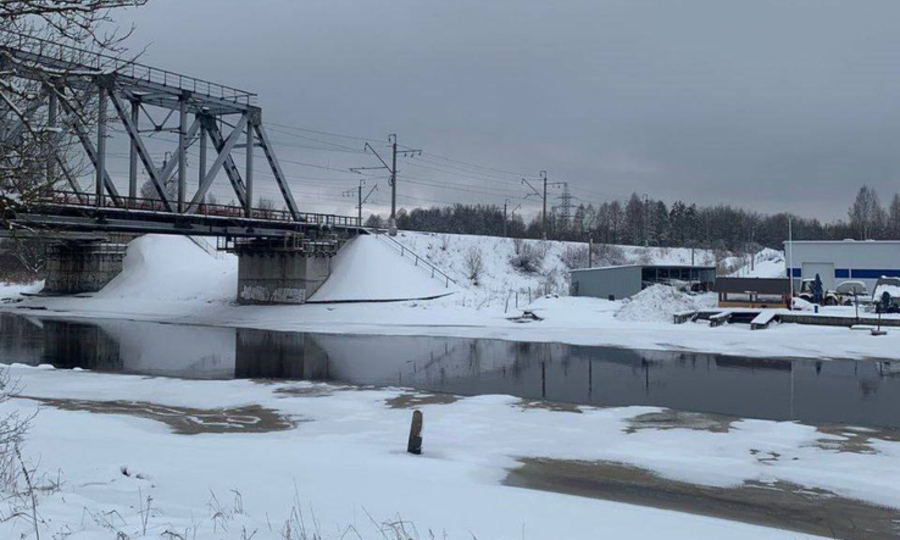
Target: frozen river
<point x="861" y="393"/>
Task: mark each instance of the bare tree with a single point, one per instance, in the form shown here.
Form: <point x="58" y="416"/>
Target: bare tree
<point x="37" y="139"/>
<point x="529" y="259"/>
<point x="867" y="216"/>
<point x="474" y="262"/>
<point x="266" y="207"/>
<point x="893" y="220"/>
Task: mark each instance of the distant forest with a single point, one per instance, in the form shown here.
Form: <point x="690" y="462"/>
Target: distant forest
<point x="645" y="221"/>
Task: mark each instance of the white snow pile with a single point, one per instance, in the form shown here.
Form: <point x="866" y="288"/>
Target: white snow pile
<point x="659" y="303"/>
<point x="367" y="269"/>
<point x="162" y="267"/>
<point x="9" y="291"/>
<point x="768" y="263"/>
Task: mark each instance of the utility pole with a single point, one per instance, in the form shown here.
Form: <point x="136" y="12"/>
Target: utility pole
<point x="392" y="169"/>
<point x="392" y="223"/>
<point x="590" y="251"/>
<point x="505" y="219"/>
<point x="507" y="215"/>
<point x="646" y="220"/>
<point x="543" y="197"/>
<point x="360" y="200"/>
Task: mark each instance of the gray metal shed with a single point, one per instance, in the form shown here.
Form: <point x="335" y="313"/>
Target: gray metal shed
<point x="616" y="282"/>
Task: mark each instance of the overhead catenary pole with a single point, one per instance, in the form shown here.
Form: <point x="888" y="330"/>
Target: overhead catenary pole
<point x="359" y="197"/>
<point x="392" y="169"/>
<point x="505" y="219"/>
<point x="544" y="213"/>
<point x="543" y="195"/>
<point x="392" y="224"/>
<point x="590" y="251"/>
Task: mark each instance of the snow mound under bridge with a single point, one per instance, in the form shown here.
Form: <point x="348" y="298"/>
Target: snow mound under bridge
<point x="372" y="269"/>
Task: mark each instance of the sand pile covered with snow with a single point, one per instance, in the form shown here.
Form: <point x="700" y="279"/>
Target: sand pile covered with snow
<point x="660" y="303"/>
<point x="369" y="270"/>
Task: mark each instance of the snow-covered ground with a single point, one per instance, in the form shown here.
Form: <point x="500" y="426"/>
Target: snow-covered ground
<point x="369" y="268"/>
<point x="768" y="263"/>
<point x="338" y="453"/>
<point x="8" y="290"/>
<point x="171" y="279"/>
<point x="344" y="461"/>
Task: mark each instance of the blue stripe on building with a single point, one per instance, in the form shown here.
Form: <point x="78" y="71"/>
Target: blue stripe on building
<point x="857" y="273"/>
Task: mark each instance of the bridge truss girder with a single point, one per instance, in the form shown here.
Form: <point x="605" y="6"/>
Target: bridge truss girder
<point x="203" y="113"/>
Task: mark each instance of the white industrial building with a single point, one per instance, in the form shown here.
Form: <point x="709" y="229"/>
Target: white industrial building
<point x="840" y="260"/>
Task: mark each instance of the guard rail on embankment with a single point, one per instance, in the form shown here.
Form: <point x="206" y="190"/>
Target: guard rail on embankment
<point x="436" y="272"/>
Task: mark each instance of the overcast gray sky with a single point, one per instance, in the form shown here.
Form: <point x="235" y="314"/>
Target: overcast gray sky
<point x="767" y="104"/>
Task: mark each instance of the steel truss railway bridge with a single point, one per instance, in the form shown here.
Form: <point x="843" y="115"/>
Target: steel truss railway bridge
<point x="91" y="94"/>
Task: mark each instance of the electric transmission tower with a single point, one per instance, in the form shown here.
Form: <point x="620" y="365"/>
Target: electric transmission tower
<point x="565" y="205"/>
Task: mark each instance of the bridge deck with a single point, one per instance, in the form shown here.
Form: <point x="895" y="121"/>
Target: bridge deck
<point x="79" y="212"/>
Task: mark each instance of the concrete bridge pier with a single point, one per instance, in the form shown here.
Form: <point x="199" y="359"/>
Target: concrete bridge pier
<point x="80" y="266"/>
<point x="282" y="271"/>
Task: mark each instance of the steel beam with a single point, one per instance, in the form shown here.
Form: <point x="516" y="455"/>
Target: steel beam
<point x="53" y="143"/>
<point x="88" y="147"/>
<point x="224" y="155"/>
<point x="166" y="172"/>
<point x="142" y="152"/>
<point x="101" y="144"/>
<point x="276" y="170"/>
<point x="230" y="169"/>
<point x="13" y="133"/>
<point x="202" y="161"/>
<point x="73" y="182"/>
<point x="182" y="152"/>
<point x="72" y="73"/>
<point x="132" y="155"/>
<point x="248" y="204"/>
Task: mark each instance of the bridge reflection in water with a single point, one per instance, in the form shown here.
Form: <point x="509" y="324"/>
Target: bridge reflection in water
<point x="864" y="393"/>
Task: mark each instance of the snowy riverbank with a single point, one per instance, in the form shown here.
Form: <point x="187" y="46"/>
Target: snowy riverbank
<point x="219" y="459"/>
<point x="170" y="279"/>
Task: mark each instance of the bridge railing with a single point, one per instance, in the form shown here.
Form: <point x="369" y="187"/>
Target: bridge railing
<point x="81" y="59"/>
<point x="76" y="199"/>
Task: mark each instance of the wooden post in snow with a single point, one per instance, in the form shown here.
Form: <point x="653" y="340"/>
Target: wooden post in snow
<point x="414" y="446"/>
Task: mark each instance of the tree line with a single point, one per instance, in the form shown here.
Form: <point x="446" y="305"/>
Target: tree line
<point x="646" y="221"/>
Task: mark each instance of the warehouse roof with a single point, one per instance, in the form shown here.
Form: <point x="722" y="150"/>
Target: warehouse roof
<point x="843" y="242"/>
<point x="644" y="266"/>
